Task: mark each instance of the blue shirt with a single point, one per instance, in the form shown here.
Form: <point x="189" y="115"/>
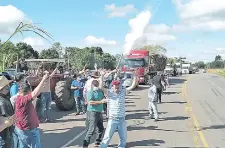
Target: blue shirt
<point x="78" y="92"/>
<point x="95" y="96"/>
<point x="14" y="89"/>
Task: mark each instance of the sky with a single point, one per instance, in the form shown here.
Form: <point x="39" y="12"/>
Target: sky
<point x="194" y="29"/>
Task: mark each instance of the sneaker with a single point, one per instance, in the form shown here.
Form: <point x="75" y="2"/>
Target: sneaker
<point x="43" y="120"/>
<point x="151" y="117"/>
<point x="78" y="113"/>
<point x="49" y="120"/>
<point x="97" y="143"/>
<point x="156" y="120"/>
<point x="85" y="144"/>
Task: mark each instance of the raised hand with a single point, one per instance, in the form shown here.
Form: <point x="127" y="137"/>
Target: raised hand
<point x="46" y="76"/>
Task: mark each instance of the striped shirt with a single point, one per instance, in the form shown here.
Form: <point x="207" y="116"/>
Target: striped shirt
<point x="116" y="103"/>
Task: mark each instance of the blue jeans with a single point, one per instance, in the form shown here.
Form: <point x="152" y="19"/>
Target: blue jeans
<point x="28" y="138"/>
<point x="80" y="104"/>
<point x="15" y="139"/>
<point x="2" y="142"/>
<point x="113" y="124"/>
<point x="45" y="104"/>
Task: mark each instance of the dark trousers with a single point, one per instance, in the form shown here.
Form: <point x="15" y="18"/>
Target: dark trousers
<point x="105" y="108"/>
<point x="159" y="94"/>
<point x="94" y="121"/>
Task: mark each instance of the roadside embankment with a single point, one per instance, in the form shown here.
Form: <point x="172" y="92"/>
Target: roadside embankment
<point x="220" y="72"/>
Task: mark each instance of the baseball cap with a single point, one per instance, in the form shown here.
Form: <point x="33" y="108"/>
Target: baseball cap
<point x="115" y="82"/>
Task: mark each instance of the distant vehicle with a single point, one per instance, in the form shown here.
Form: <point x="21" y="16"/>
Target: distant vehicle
<point x="178" y="67"/>
<point x="171" y="70"/>
<point x="185" y="68"/>
<point x="148" y="64"/>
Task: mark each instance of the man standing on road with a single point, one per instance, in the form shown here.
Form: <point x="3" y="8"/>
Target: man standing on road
<point x="159" y="85"/>
<point x="46" y="98"/>
<point x="94" y="114"/>
<point x="116" y="105"/>
<point x="152" y="98"/>
<point x="27" y="126"/>
<point x="77" y="86"/>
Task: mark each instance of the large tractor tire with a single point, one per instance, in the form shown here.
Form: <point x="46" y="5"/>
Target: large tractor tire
<point x="64" y="95"/>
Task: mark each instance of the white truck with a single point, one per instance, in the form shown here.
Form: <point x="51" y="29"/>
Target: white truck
<point x="187" y="68"/>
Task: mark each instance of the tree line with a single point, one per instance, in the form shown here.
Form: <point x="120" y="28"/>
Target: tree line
<point x="217" y="63"/>
<point x="76" y="57"/>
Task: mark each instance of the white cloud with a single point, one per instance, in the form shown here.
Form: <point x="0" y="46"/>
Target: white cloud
<point x="201" y="14"/>
<point x="120" y="11"/>
<point x="10" y="17"/>
<point x="92" y="40"/>
<point x="142" y="33"/>
<point x="36" y="42"/>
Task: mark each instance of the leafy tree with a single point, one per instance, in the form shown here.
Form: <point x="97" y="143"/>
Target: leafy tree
<point x="26" y="51"/>
<point x="217" y="64"/>
<point x="57" y="47"/>
<point x="200" y="64"/>
<point x="218" y="58"/>
<point x="49" y="54"/>
<point x="171" y="61"/>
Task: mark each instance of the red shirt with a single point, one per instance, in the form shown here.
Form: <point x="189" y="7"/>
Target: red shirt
<point x="26" y="113"/>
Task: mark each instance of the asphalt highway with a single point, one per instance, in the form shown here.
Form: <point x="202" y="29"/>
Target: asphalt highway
<point x="191" y="115"/>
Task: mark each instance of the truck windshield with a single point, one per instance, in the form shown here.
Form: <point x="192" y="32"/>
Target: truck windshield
<point x="134" y="63"/>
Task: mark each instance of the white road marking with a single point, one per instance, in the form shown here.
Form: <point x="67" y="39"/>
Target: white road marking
<point x="74" y="139"/>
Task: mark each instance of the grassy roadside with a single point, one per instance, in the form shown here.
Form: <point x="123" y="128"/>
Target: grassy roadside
<point x="220" y="72"/>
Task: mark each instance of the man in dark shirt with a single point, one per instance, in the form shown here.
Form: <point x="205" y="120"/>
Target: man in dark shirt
<point x="6" y="110"/>
<point x="159" y="85"/>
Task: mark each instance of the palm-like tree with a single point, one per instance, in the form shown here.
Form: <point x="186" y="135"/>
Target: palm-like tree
<point x="7" y="59"/>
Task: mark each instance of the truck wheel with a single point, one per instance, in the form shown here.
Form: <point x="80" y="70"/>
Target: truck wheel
<point x="64" y="95"/>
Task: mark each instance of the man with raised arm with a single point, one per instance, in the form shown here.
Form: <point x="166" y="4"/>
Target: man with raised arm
<point x="46" y="98"/>
<point x="27" y="126"/>
<point x="116" y="106"/>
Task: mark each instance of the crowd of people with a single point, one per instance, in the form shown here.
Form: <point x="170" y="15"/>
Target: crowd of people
<point x="20" y="117"/>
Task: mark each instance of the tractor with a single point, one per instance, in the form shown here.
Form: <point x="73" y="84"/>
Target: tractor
<point x="60" y="85"/>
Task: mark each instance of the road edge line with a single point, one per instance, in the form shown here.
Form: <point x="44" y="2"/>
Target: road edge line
<point x="193" y="117"/>
<point x="75" y="138"/>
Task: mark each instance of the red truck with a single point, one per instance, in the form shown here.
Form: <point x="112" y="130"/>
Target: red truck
<point x="148" y="64"/>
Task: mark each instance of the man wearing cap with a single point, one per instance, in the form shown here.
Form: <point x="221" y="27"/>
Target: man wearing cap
<point x="27" y="126"/>
<point x="116" y="106"/>
<point x="94" y="76"/>
<point x="46" y="98"/>
<point x="77" y="86"/>
<point x="6" y="110"/>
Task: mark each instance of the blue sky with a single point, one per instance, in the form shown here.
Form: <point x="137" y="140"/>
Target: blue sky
<point x="183" y="33"/>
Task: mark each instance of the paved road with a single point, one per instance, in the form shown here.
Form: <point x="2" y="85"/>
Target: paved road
<point x="207" y="94"/>
<point x="191" y="115"/>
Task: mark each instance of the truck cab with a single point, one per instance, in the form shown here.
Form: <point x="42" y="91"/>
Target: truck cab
<point x="137" y="59"/>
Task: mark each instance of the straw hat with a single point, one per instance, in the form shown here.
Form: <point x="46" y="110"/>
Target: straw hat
<point x="4" y="82"/>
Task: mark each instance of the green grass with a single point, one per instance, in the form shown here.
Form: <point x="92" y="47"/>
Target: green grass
<point x="220" y="72"/>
